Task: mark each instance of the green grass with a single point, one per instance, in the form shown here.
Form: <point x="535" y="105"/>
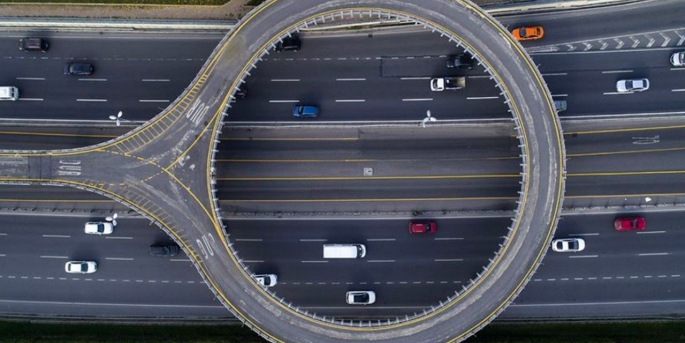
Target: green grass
<point x="126" y="2"/>
<point x="20" y="332"/>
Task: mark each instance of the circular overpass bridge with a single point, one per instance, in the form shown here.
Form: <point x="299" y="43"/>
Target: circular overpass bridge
<point x="164" y="170"/>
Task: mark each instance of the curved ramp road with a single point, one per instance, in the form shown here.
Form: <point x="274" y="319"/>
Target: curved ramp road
<point x="163" y="170"/>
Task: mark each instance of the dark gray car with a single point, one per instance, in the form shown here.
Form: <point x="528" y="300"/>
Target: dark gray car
<point x="164" y="250"/>
<point x="78" y="68"/>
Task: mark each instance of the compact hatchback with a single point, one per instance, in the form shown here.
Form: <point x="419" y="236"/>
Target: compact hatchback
<point x="678" y="59"/>
<point x="164" y="250"/>
<point x="461" y="61"/>
<point x="528" y="33"/>
<point x="33" y="44"/>
<point x="266" y="280"/>
<point x="629" y="224"/>
<point x="99" y="228"/>
<point x="78" y="68"/>
<point x="360" y="297"/>
<point x="421" y="227"/>
<point x="632" y="85"/>
<point x="81" y="267"/>
<point x="568" y="245"/>
<point x="302" y="111"/>
<point x="292" y="43"/>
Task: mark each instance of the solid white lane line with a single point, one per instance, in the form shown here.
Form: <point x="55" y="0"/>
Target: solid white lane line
<point x="678" y="90"/>
<point x="313" y="261"/>
<point x="448" y="260"/>
<point x="381" y="240"/>
<point x="118" y="237"/>
<point x="616" y="93"/>
<point x="380" y="261"/>
<point x="96" y="80"/>
<point x="617" y="71"/>
<point x="585" y="234"/>
<point x="156" y="80"/>
<point x="350" y="100"/>
<point x="92" y="100"/>
<point x="653" y="254"/>
<point x="649" y="232"/>
<point x="312" y="240"/>
<point x="56" y="236"/>
<point x="583" y="256"/>
<point x="285" y="80"/>
<point x="3" y="234"/>
<point x="415" y="78"/>
<point x="31" y="78"/>
<point x="450" y="239"/>
<point x="253" y="261"/>
<point x="351" y="79"/>
<point x="248" y="239"/>
<point x="482" y="97"/>
<point x="60" y="257"/>
<point x="279" y="101"/>
<point x="119" y="258"/>
<point x="31" y="99"/>
<point x="559" y="95"/>
<point x="418" y="99"/>
<point x="153" y="100"/>
<point x="179" y="260"/>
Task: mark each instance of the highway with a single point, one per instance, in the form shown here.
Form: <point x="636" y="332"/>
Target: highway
<point x="587" y="84"/>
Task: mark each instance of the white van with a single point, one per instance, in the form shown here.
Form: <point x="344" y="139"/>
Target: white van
<point x="344" y="251"/>
<point x="9" y="93"/>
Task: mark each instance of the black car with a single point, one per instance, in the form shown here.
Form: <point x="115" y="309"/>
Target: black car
<point x="78" y="68"/>
<point x="461" y="61"/>
<point x="292" y="43"/>
<point x="33" y="44"/>
<point x="164" y="250"/>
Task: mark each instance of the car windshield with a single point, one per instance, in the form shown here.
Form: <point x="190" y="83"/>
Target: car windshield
<point x="361" y="298"/>
<point x="101" y="227"/>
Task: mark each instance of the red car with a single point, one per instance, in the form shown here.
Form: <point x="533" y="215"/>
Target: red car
<point x="419" y="227"/>
<point x="629" y="224"/>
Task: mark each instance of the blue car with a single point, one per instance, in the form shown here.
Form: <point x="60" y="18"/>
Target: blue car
<point x="300" y="111"/>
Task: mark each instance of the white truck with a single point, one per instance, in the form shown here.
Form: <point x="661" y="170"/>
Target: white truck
<point x="440" y="84"/>
<point x="9" y="93"/>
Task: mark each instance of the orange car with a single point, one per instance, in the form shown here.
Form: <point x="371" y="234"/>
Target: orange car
<point x="528" y="33"/>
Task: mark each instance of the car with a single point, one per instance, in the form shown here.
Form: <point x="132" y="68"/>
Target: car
<point x="292" y="43"/>
<point x="164" y="250"/>
<point x="528" y="33"/>
<point x="678" y="59"/>
<point x="78" y="68"/>
<point x="33" y="44"/>
<point x="99" y="228"/>
<point x="360" y="297"/>
<point x="305" y="111"/>
<point x="629" y="224"/>
<point x="81" y="267"/>
<point x="632" y="85"/>
<point x="568" y="245"/>
<point x="560" y="105"/>
<point x="461" y="61"/>
<point x="421" y="227"/>
<point x="266" y="280"/>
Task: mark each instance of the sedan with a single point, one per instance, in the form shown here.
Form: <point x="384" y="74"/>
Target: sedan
<point x="420" y="227"/>
<point x="81" y="267"/>
<point x="528" y="33"/>
<point x="78" y="68"/>
<point x="360" y="297"/>
<point x="629" y="224"/>
<point x="301" y="111"/>
<point x="266" y="280"/>
<point x="99" y="228"/>
<point x="568" y="245"/>
<point x="631" y="86"/>
<point x="678" y="59"/>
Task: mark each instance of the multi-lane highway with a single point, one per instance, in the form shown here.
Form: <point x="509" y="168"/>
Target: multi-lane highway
<point x="615" y="268"/>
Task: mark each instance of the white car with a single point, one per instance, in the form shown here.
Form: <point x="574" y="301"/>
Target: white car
<point x="631" y="86"/>
<point x="360" y="297"/>
<point x="266" y="280"/>
<point x="678" y="59"/>
<point x="81" y="267"/>
<point x="99" y="228"/>
<point x="568" y="245"/>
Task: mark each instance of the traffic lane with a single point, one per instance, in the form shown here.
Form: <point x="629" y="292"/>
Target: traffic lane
<point x="51" y="194"/>
<point x="603" y="144"/>
<point x="649" y="185"/>
<point x="43" y="138"/>
<point x="632" y="162"/>
<point x="599" y="61"/>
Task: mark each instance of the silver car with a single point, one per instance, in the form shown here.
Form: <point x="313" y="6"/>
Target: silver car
<point x="360" y="297"/>
<point x="81" y="267"/>
<point x="568" y="245"/>
<point x="266" y="280"/>
<point x="632" y="85"/>
<point x="99" y="228"/>
<point x="678" y="59"/>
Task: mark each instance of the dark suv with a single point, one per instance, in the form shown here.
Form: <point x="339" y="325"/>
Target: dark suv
<point x="78" y="68"/>
<point x="292" y="43"/>
<point x="164" y="250"/>
<point x="461" y="61"/>
<point x="33" y="44"/>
